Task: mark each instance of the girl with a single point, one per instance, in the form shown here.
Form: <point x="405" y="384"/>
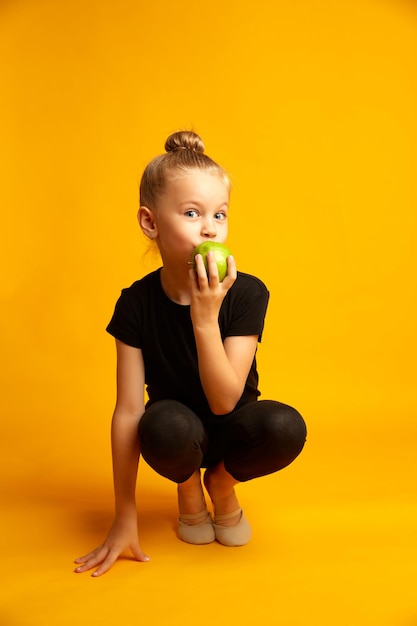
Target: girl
<point x="192" y="340"/>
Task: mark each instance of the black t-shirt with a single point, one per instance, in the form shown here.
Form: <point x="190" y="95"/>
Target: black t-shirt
<point x="145" y="318"/>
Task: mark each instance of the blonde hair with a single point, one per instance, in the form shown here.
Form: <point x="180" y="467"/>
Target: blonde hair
<point x="184" y="153"/>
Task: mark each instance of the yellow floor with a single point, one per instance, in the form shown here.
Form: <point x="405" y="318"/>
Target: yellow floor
<point x="337" y="546"/>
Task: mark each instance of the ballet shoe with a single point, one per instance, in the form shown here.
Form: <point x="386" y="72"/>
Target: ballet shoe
<point x="237" y="535"/>
<point x="198" y="534"/>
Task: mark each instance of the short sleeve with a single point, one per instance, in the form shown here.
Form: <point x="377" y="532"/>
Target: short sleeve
<point x="245" y="308"/>
<point x="125" y="324"/>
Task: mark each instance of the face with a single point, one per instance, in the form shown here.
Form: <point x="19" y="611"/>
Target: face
<point x="194" y="208"/>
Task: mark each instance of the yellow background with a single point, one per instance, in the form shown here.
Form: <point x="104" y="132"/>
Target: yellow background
<point x="311" y="107"/>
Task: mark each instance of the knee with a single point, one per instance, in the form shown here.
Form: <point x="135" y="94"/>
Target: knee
<point x="154" y="420"/>
<point x="169" y="426"/>
<point x="171" y="439"/>
<point x="284" y="425"/>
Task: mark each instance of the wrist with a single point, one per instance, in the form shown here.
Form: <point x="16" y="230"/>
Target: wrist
<point x="125" y="509"/>
<point x="207" y="327"/>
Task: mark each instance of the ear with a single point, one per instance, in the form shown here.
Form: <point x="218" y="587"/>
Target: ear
<point x="146" y="221"/>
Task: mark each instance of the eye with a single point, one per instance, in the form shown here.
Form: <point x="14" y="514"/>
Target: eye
<point x="220" y="216"/>
<point x="191" y="213"/>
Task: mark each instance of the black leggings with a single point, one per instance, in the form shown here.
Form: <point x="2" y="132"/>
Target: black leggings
<point x="255" y="440"/>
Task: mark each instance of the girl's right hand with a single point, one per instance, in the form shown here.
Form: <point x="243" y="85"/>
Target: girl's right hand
<point x="122" y="535"/>
<point x="207" y="292"/>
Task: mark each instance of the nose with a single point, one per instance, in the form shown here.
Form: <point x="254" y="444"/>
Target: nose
<point x="208" y="229"/>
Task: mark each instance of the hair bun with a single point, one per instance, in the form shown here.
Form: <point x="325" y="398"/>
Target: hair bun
<point x="184" y="140"/>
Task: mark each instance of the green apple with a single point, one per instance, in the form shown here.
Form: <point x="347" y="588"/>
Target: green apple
<point x="220" y="253"/>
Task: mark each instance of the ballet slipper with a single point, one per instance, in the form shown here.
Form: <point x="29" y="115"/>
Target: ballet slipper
<point x="237" y="535"/>
<point x="198" y="534"/>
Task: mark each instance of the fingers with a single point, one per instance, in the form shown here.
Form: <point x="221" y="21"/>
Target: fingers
<point x="138" y="554"/>
<point x="193" y="278"/>
<point x="92" y="559"/>
<point x="200" y="269"/>
<point x="212" y="270"/>
<point x="86" y="557"/>
<point x="104" y="558"/>
<point x="211" y="274"/>
<point x="112" y="556"/>
<point x="231" y="271"/>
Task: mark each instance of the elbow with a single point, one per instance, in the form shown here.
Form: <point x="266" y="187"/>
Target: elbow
<point x="222" y="407"/>
<point x="222" y="402"/>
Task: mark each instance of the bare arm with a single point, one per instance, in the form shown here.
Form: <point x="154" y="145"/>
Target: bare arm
<point x="125" y="451"/>
<point x="223" y="367"/>
<point x="124" y="432"/>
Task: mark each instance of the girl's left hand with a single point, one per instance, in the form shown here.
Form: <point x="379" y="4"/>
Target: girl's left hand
<point x="207" y="292"/>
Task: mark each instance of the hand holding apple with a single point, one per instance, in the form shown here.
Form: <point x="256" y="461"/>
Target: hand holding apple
<point x="220" y="254"/>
